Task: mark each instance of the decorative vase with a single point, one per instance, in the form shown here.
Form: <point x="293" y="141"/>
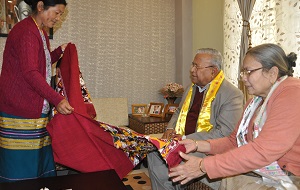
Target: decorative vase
<point x="171" y="100"/>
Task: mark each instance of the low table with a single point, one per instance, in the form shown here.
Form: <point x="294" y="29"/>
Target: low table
<point x="101" y="180"/>
<point x="148" y="125"/>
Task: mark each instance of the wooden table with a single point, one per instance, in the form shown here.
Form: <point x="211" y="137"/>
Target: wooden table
<point x="102" y="180"/>
<point x="148" y="125"/>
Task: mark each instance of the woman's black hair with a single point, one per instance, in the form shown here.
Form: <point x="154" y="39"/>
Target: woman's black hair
<point x="291" y="59"/>
<point x="270" y="55"/>
<point x="47" y="3"/>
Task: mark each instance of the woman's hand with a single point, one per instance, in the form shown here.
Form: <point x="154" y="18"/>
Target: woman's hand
<point x="64" y="107"/>
<point x="190" y="145"/>
<point x="188" y="171"/>
<point x="193" y="145"/>
<point x="63" y="46"/>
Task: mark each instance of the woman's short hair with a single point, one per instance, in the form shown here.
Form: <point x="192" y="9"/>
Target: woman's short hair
<point x="217" y="58"/>
<point x="270" y="55"/>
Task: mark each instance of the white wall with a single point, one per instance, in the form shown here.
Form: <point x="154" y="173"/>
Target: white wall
<point x="208" y="24"/>
<point x="131" y="48"/>
<point x="184" y="40"/>
<point x="199" y="24"/>
<point x="126" y="48"/>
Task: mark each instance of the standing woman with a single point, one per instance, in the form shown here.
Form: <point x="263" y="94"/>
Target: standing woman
<point x="25" y="94"/>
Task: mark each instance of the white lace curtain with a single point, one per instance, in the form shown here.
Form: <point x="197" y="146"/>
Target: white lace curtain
<point x="273" y="21"/>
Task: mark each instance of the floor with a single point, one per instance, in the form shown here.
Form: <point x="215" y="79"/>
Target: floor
<point x="138" y="179"/>
<point x="142" y="169"/>
<point x="133" y="180"/>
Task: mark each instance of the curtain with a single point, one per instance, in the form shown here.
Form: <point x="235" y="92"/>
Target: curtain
<point x="272" y="21"/>
<point x="246" y="9"/>
<point x="278" y="21"/>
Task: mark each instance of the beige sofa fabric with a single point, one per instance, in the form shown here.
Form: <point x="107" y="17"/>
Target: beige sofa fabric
<point x="113" y="111"/>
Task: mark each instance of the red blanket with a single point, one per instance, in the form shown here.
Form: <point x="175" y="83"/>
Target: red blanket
<point x="77" y="140"/>
<point x="86" y="145"/>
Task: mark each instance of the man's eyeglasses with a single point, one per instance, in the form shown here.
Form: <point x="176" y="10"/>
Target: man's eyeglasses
<point x="198" y="67"/>
<point x="247" y="73"/>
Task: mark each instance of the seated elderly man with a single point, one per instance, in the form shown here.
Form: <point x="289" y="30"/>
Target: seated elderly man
<point x="210" y="108"/>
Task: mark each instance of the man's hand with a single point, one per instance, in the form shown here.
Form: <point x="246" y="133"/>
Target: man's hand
<point x="171" y="134"/>
<point x="168" y="134"/>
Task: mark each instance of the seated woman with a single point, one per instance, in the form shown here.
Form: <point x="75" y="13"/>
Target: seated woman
<point x="267" y="138"/>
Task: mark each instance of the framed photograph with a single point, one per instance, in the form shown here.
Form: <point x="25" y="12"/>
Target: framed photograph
<point x="170" y="109"/>
<point x="155" y="109"/>
<point x="13" y="11"/>
<point x="139" y="109"/>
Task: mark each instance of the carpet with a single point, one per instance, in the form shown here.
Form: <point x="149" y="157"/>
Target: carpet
<point x="138" y="181"/>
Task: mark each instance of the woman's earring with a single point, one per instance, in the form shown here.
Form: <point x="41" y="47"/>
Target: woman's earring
<point x="271" y="81"/>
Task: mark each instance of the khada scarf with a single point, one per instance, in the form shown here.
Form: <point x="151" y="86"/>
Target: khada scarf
<point x="272" y="171"/>
<point x="203" y="122"/>
<point x="86" y="145"/>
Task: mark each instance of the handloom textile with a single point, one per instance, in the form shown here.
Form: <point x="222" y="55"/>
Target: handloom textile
<point x="84" y="144"/>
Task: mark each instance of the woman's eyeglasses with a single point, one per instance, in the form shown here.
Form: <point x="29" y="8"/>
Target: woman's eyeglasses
<point x="247" y="73"/>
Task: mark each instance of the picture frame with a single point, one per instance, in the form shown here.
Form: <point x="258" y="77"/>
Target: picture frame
<point x="139" y="109"/>
<point x="170" y="109"/>
<point x="156" y="109"/>
<point x="11" y="12"/>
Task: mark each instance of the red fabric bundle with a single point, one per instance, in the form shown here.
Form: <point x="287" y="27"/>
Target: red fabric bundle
<point x="77" y="140"/>
<point x="169" y="150"/>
